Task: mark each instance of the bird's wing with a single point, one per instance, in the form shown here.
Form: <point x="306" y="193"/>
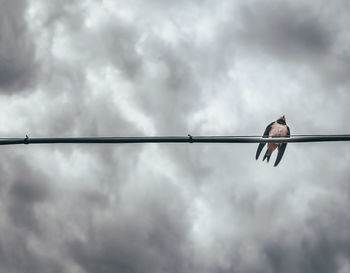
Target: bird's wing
<point x="261" y="145"/>
<point x="281" y="149"/>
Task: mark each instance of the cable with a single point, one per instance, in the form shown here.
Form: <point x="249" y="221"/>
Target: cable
<point x="176" y="139"/>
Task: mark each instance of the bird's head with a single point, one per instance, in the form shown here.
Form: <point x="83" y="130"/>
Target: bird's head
<point x="282" y="119"/>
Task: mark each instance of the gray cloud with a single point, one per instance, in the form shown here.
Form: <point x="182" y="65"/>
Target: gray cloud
<point x="288" y="30"/>
<point x="321" y="245"/>
<point x="201" y="67"/>
<point x="299" y="34"/>
<point x="17" y="51"/>
<point x="23" y="195"/>
<point x="129" y="242"/>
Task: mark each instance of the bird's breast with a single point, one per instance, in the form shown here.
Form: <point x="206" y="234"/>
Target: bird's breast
<point x="278" y="130"/>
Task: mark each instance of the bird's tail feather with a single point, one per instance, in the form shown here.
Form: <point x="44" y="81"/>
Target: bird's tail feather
<point x="267" y="156"/>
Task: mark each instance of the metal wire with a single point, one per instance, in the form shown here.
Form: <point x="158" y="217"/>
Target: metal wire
<point x="176" y="139"/>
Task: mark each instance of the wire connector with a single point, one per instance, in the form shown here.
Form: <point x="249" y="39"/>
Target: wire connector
<point x="190" y="137"/>
<point x="26" y="140"/>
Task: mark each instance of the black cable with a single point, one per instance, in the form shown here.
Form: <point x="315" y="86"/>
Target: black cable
<point x="176" y="139"/>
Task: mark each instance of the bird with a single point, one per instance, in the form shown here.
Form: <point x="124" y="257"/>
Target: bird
<point x="276" y="128"/>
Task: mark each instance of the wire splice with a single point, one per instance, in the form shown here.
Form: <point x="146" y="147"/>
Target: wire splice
<point x="26" y="140"/>
<point x="190" y="137"/>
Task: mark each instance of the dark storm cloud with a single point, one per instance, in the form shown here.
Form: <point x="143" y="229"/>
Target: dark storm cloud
<point x="285" y="29"/>
<point x="23" y="194"/>
<point x="17" y="50"/>
<point x="149" y="237"/>
<point x="23" y="191"/>
<point x="17" y="256"/>
<point x="26" y="191"/>
<point x="170" y="208"/>
<point x="269" y="234"/>
<point x="322" y="244"/>
<point x="300" y="34"/>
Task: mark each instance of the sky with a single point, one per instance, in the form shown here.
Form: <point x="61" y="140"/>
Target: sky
<point x="154" y="68"/>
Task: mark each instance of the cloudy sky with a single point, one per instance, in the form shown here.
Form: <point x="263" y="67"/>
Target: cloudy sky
<point x="162" y="67"/>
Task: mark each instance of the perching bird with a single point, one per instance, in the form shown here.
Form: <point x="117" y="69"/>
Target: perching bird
<point x="277" y="128"/>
